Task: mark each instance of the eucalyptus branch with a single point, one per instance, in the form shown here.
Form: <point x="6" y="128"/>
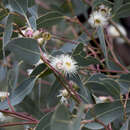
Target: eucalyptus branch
<point x="77" y="98"/>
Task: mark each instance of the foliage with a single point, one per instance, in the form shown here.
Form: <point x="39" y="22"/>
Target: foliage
<point x="58" y="72"/>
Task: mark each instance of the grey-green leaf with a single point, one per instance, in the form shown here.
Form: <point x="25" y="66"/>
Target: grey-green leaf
<point x="60" y="119"/>
<point x="19" y="6"/>
<point x="44" y="123"/>
<point x="19" y="93"/>
<point x="8" y="30"/>
<point x="106" y="112"/>
<point x="25" y="49"/>
<point x="123" y="11"/>
<point x="49" y="19"/>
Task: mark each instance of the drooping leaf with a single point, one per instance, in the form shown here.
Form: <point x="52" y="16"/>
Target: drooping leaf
<point x="60" y="119"/>
<point x="19" y="6"/>
<point x="124" y="82"/>
<point x="19" y="93"/>
<point x="106" y="113"/>
<point x="123" y="11"/>
<point x="8" y="30"/>
<point x="78" y="49"/>
<point x="49" y="19"/>
<point x="100" y="34"/>
<point x="44" y="123"/>
<point x="25" y="49"/>
<point x="85" y="61"/>
<point x="117" y="4"/>
<point x="99" y="2"/>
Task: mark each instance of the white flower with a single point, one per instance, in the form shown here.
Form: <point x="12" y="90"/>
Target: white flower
<point x="112" y="31"/>
<point x="106" y="11"/>
<point x="97" y="19"/>
<point x="57" y="63"/>
<point x="69" y="65"/>
<point x="65" y="64"/>
<point x="64" y="96"/>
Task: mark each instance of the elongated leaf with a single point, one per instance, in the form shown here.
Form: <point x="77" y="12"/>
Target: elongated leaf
<point x="112" y="87"/>
<point x="25" y="49"/>
<point x="19" y="6"/>
<point x="81" y="61"/>
<point x="102" y="40"/>
<point x="124" y="82"/>
<point x="106" y="112"/>
<point x="19" y="93"/>
<point x="117" y="4"/>
<point x="78" y="49"/>
<point x="49" y="19"/>
<point x="123" y="11"/>
<point x="44" y="123"/>
<point x="99" y="2"/>
<point x="8" y="30"/>
<point x="60" y="119"/>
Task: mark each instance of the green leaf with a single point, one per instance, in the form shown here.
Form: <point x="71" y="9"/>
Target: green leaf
<point x="124" y="82"/>
<point x="101" y="85"/>
<point x="60" y="119"/>
<point x="84" y="92"/>
<point x="28" y="105"/>
<point x="99" y="2"/>
<point x="8" y="30"/>
<point x="77" y="121"/>
<point x="19" y="6"/>
<point x="106" y="112"/>
<point x="38" y="70"/>
<point x="78" y="49"/>
<point x="25" y="49"/>
<point x="123" y="11"/>
<point x="19" y="93"/>
<point x="3" y="13"/>
<point x="49" y="19"/>
<point x="44" y="123"/>
<point x="100" y="34"/>
<point x="117" y="4"/>
<point x="85" y="61"/>
<point x="112" y="87"/>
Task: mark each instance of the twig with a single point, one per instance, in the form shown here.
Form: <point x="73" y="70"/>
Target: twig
<point x="18" y="123"/>
<point x="72" y="92"/>
<point x="114" y="56"/>
<point x="100" y="122"/>
<point x="125" y="103"/>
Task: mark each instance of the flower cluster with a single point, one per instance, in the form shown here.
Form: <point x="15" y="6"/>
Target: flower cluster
<point x="100" y="17"/>
<point x="62" y="63"/>
<point x="65" y="64"/>
<point x="39" y="35"/>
